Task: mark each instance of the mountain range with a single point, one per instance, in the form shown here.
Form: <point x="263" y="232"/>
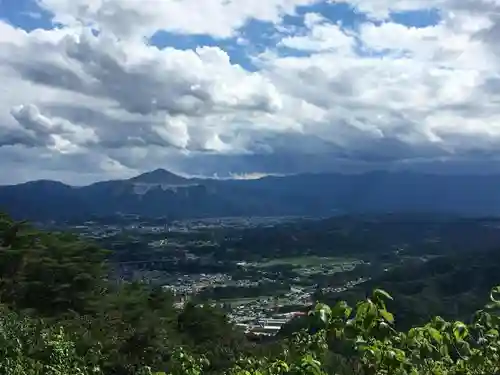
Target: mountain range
<point x="161" y="193"/>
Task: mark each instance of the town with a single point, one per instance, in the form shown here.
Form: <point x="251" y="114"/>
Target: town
<point x="263" y="272"/>
<point x="254" y="293"/>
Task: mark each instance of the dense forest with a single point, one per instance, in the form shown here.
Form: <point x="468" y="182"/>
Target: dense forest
<point x="61" y="315"/>
<point x="451" y="286"/>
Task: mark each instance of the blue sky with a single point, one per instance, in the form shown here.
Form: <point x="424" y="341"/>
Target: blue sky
<point x="111" y="88"/>
<point x="259" y="35"/>
<point x="25" y="14"/>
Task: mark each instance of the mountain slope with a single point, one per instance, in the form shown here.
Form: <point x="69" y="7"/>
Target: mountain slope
<point x="161" y="193"/>
<point x="163" y="177"/>
<point x="452" y="286"/>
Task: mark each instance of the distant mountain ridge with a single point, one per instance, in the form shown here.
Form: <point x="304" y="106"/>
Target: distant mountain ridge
<point x="162" y="193"/>
<point x="160" y="176"/>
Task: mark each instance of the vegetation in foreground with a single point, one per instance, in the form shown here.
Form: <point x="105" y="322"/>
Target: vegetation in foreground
<point x="60" y="316"/>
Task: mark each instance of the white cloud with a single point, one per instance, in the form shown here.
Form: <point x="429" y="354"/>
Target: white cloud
<point x="58" y="133"/>
<point x="110" y="104"/>
<point x="164" y="94"/>
<point x="321" y="36"/>
<point x="442" y="44"/>
<point x="381" y="9"/>
<point x="142" y="79"/>
<point x="127" y="18"/>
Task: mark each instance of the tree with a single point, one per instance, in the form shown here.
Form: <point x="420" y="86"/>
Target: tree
<point x="84" y="325"/>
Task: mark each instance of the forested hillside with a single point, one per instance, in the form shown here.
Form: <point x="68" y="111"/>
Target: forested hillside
<point x="61" y="315"/>
<point x="451" y="285"/>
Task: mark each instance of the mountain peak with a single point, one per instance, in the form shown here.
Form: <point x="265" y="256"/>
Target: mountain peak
<point x="159" y="175"/>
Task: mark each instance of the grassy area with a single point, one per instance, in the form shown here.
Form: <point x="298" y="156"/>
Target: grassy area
<point x="305" y="261"/>
<point x="241" y="301"/>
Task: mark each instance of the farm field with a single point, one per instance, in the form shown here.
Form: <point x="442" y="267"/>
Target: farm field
<point x="307" y="261"/>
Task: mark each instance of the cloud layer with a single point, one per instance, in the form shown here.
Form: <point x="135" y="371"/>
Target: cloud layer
<point x="277" y="86"/>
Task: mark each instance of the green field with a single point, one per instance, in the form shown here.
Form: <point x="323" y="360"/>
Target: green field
<point x="305" y="261"/>
<point x="241" y="301"/>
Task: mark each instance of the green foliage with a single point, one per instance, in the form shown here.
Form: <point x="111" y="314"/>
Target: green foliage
<point x="437" y="348"/>
<point x="61" y="317"/>
<point x="27" y="347"/>
<point x="59" y="267"/>
<point x="57" y="277"/>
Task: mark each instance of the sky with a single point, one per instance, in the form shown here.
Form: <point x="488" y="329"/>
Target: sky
<point x="104" y="89"/>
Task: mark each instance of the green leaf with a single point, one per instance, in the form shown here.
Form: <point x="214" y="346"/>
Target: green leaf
<point x="387" y="316"/>
<point x="412" y="333"/>
<point x="361" y="310"/>
<point x="495" y="295"/>
<point x="492" y="305"/>
<point x="492" y="333"/>
<point x="460" y="331"/>
<point x="324" y="312"/>
<point x="381" y="294"/>
<point x="435" y="334"/>
<point x="443" y="350"/>
<point x="341" y="309"/>
<point x="370" y="319"/>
